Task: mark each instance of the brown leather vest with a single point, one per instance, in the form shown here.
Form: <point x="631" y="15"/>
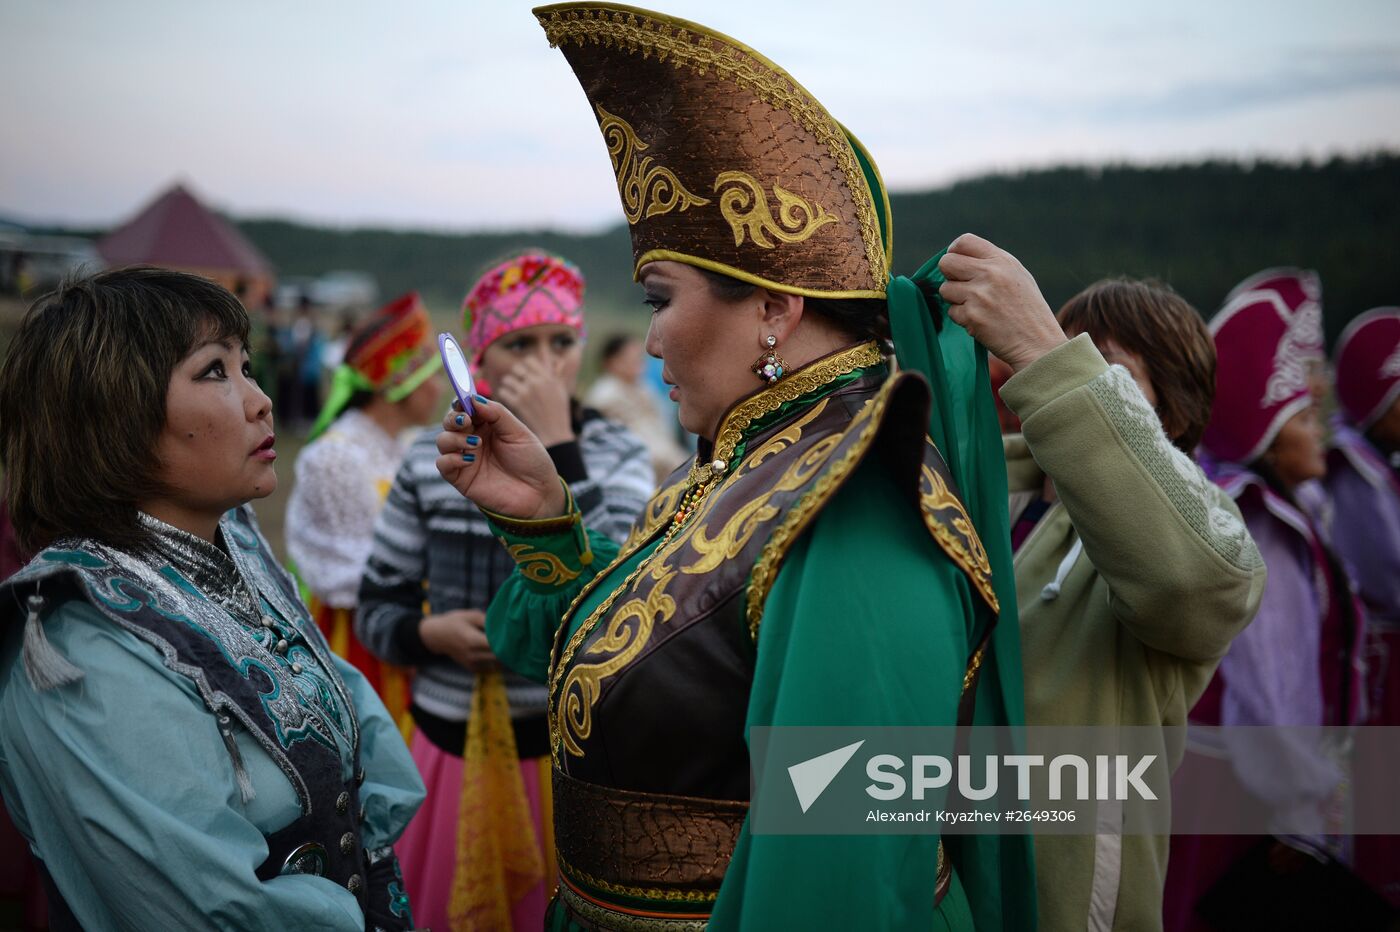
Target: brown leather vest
<point x="651" y="693"/>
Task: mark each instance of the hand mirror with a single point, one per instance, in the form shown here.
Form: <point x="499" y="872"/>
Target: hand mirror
<point x="458" y="372"/>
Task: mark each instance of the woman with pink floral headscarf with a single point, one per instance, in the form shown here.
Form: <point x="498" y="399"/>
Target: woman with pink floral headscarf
<point x="478" y="856"/>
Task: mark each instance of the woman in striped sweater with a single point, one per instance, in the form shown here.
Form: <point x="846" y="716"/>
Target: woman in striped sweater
<point x="524" y="321"/>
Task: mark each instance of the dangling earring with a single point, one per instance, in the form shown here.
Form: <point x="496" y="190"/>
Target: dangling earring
<point x="770" y="366"/>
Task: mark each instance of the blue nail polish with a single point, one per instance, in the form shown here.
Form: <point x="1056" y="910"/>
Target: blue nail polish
<point x="469" y="457"/>
<point x="460" y="419"/>
<point x="473" y="440"/>
<point x="480" y="400"/>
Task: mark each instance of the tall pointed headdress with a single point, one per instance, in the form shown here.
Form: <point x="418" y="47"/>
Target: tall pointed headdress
<point x="723" y="161"/>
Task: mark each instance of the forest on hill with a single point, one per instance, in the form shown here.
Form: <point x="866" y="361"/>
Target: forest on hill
<point x="1200" y="227"/>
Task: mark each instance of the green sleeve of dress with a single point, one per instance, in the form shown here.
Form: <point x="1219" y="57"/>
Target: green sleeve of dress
<point x="866" y="624"/>
<point x="554" y="560"/>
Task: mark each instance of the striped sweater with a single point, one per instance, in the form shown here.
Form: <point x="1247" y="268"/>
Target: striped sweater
<point x="430" y="542"/>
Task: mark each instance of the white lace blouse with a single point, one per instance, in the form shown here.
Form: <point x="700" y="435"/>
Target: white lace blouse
<point x="341" y="480"/>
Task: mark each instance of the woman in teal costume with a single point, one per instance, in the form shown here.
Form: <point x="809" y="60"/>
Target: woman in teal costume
<point x="836" y="554"/>
<point x="178" y="745"/>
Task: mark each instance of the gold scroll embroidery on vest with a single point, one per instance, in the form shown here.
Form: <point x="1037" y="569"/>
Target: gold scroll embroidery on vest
<point x="657" y="512"/>
<point x="624" y="641"/>
<point x="744" y="204"/>
<point x="740" y="528"/>
<point x="571" y="701"/>
<point x="647" y="190"/>
<point x="582" y="685"/>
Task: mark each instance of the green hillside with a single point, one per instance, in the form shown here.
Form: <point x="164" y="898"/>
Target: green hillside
<point x="1201" y="227"/>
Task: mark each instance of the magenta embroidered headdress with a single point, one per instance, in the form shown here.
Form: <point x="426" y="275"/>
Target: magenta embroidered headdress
<point x="1368" y="366"/>
<point x="1301" y="292"/>
<point x="1261" y="377"/>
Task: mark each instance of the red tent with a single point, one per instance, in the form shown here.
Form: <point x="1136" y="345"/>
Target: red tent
<point x="177" y="231"/>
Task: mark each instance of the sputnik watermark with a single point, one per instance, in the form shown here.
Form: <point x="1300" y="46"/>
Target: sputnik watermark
<point x="1074" y="780"/>
<point x="1113" y="778"/>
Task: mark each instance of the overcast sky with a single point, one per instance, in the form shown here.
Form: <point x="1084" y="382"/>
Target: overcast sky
<point x="456" y="113"/>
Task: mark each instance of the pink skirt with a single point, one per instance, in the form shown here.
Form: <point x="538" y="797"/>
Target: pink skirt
<point x="427" y="851"/>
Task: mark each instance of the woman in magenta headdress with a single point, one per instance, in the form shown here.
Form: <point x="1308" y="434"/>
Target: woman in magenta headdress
<point x="1363" y="497"/>
<point x="1299" y="662"/>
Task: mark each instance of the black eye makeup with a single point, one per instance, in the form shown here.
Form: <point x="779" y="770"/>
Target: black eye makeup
<point x="213" y="369"/>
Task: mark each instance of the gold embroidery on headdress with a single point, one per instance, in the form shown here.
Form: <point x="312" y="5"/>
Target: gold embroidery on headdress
<point x="651" y="33"/>
<point x="745" y="205"/>
<point x="647" y="190"/>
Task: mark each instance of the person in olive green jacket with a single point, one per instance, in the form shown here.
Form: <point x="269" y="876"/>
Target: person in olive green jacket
<point x="1133" y="570"/>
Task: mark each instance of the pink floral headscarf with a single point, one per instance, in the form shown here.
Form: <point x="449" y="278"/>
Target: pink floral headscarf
<point x="525" y="291"/>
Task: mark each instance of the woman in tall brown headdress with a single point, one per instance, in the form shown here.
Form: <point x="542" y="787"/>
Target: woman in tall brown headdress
<point x="814" y="565"/>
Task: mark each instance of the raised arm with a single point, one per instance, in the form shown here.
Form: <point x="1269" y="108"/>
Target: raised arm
<point x="1183" y="573"/>
<point x="1182" y="570"/>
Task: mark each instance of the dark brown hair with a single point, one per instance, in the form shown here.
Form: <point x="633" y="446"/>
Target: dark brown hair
<point x="1151" y="320"/>
<point x="860" y="318"/>
<point x="82" y="397"/>
<point x="616" y="343"/>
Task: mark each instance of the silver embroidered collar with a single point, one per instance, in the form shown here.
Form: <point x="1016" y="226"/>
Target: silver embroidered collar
<point x="207" y="566"/>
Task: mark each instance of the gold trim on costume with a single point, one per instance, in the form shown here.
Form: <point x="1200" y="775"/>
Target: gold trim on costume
<point x="604" y="918"/>
<point x="695" y="46"/>
<point x="802" y="381"/>
<point x="584" y="682"/>
<point x="703" y="478"/>
<point x="647" y="190"/>
<point x="559" y="660"/>
<point x="540" y="527"/>
<point x="671" y="255"/>
<point x="973" y="666"/>
<point x="657" y="512"/>
<point x="540" y="566"/>
<point x="765" y="571"/>
<point x="744" y="205"/>
<point x="641" y="893"/>
<point x="744" y="523"/>
<point x="960" y="541"/>
<point x="884" y="196"/>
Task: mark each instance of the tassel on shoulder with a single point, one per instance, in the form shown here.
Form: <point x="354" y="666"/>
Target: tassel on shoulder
<point x="43" y="664"/>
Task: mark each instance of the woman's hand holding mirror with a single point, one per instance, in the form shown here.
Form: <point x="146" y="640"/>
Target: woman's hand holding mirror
<point x="494" y="460"/>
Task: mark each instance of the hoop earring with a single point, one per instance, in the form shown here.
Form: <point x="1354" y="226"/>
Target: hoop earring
<point x="770" y="367"/>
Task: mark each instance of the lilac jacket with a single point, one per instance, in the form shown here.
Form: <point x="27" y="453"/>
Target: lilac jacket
<point x="1363" y="522"/>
